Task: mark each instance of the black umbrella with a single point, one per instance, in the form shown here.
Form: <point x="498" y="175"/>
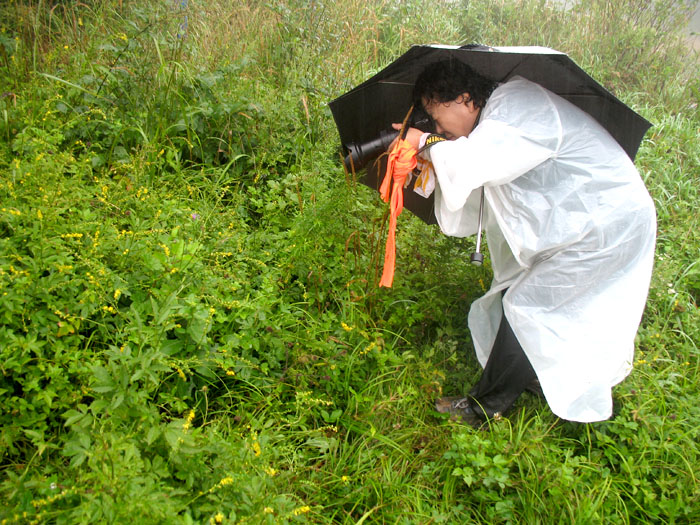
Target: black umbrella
<point x="364" y="114"/>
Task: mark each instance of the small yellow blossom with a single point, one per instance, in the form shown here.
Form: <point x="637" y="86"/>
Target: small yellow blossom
<point x="270" y="471"/>
<point x="188" y="421"/>
<point x="369" y="348"/>
<point x="230" y="373"/>
<point x="346" y="327"/>
<point x="256" y="448"/>
<point x="268" y="510"/>
<point x="226" y="481"/>
<point x="345" y="479"/>
<point x="302" y="510"/>
<point x="39" y="214"/>
<point x="218" y="518"/>
<point x="117" y="294"/>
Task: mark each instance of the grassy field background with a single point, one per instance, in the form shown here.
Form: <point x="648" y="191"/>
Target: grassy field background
<point x="190" y="328"/>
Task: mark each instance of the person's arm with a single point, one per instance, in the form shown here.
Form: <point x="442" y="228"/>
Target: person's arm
<point x="494" y="153"/>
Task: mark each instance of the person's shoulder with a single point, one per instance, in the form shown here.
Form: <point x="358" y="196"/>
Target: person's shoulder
<point x="519" y="85"/>
<point x="525" y="106"/>
<point x="516" y="94"/>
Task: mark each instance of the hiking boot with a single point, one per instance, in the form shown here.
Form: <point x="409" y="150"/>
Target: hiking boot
<point x="460" y="410"/>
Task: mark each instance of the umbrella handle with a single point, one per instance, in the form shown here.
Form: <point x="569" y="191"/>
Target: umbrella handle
<point x="477" y="258"/>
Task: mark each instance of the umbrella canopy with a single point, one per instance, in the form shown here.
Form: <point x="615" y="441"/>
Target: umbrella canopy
<point x="367" y="111"/>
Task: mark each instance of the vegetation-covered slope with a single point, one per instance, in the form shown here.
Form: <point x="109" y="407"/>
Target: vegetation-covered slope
<point x="190" y="328"/>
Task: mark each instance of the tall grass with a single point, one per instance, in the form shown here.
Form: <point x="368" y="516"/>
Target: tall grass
<point x="190" y="326"/>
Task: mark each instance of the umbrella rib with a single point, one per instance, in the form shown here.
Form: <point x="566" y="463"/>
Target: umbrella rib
<point x="507" y="75"/>
<point x="394" y="83"/>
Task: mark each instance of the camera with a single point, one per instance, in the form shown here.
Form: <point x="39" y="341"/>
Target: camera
<point x="359" y="155"/>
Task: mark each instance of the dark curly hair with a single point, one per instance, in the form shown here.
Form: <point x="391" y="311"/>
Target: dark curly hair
<point x="446" y="80"/>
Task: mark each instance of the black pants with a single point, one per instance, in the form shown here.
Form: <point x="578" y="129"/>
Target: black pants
<point x="507" y="374"/>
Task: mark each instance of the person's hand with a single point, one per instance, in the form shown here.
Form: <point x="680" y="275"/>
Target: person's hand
<point x="413" y="136"/>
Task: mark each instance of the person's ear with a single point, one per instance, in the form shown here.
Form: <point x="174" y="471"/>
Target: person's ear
<point x="466" y="99"/>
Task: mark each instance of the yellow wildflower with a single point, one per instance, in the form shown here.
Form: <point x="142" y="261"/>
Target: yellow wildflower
<point x="188" y="421"/>
<point x="346" y="327"/>
<point x="117" y="294"/>
<point x="370" y="347"/>
<point x="302" y="510"/>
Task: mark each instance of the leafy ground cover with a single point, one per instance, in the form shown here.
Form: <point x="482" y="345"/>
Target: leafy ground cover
<point x="191" y="330"/>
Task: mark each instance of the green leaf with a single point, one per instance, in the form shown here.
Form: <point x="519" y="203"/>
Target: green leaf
<point x="153" y="433"/>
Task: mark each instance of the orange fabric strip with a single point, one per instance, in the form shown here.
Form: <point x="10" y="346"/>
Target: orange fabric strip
<point x="402" y="160"/>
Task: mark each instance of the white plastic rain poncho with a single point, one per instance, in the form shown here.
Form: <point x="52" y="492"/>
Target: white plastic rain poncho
<point x="571" y="231"/>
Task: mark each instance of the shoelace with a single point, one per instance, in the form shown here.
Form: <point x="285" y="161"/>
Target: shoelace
<point x="461" y="403"/>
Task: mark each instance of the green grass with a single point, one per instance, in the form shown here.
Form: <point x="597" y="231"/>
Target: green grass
<point x="190" y="327"/>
